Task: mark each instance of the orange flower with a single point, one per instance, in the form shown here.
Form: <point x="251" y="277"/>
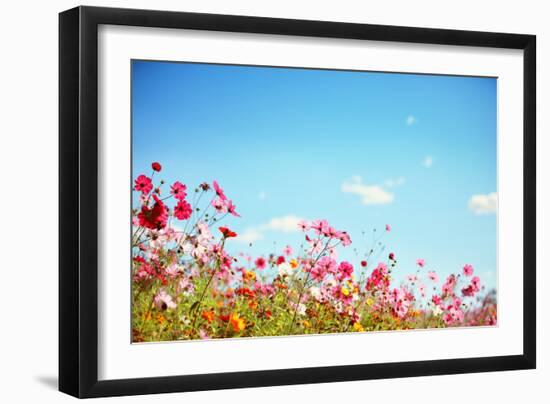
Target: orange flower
<point x="253" y="304"/>
<point x="249" y="275"/>
<point x="160" y="319"/>
<point x="208" y="315"/>
<point x="237" y="322"/>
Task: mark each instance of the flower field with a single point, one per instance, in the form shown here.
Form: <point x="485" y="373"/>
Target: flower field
<point x="186" y="285"/>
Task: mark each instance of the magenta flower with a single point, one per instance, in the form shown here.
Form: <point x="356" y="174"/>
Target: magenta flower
<point x="468" y="270"/>
<point x="143" y="184"/>
<point x="183" y="210"/>
<point x="260" y="263"/>
<point x="345" y="270"/>
<point x="178" y="190"/>
<point x="219" y="191"/>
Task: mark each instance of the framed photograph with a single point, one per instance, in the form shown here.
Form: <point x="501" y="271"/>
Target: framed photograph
<point x="250" y="201"/>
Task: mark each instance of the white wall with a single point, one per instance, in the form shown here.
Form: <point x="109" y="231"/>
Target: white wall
<point x="28" y="206"/>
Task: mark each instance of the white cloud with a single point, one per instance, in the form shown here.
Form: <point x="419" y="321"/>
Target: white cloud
<point x="370" y="194"/>
<point x="394" y="182"/>
<point x="483" y="204"/>
<point x="285" y="224"/>
<point x="249" y="235"/>
<point x="411" y="120"/>
<point x="428" y="161"/>
<point x="262" y="196"/>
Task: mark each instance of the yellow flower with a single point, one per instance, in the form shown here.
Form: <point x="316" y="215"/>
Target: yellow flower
<point x="306" y="323"/>
<point x="293" y="263"/>
<point x="249" y="275"/>
<point x="160" y="319"/>
<point x="370" y="301"/>
<point x="358" y="327"/>
<point x="345" y="291"/>
<point x="237" y="322"/>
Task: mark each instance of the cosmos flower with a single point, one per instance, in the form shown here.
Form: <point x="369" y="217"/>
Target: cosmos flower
<point x="183" y="210"/>
<point x="143" y="184"/>
<point x="227" y="233"/>
<point x="178" y="190"/>
<point x="468" y="270"/>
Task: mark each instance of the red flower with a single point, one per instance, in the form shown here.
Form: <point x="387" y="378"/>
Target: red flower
<point x="156" y="166"/>
<point x="154" y="218"/>
<point x="280" y="259"/>
<point x="392" y="256"/>
<point x="183" y="210"/>
<point x="143" y="184"/>
<point x="227" y="233"/>
<point x="363" y="263"/>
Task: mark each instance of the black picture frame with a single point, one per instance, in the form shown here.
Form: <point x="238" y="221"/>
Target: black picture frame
<point x="78" y="196"/>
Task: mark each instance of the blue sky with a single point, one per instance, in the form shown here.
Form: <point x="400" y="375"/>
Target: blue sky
<point x="360" y="149"/>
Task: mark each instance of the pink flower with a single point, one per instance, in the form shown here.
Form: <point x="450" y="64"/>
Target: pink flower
<point x="260" y="263"/>
<point x="476" y="283"/>
<point x="163" y="300"/>
<point x="143" y="184"/>
<point x="420" y="262"/>
<point x="468" y="291"/>
<point x="436" y="299"/>
<point x="344" y="238"/>
<point x="303" y="225"/>
<point x="345" y="270"/>
<point x="219" y="205"/>
<point x="231" y="208"/>
<point x="422" y="289"/>
<point x="453" y="316"/>
<point x="288" y="251"/>
<point x="412" y="278"/>
<point x="178" y="190"/>
<point x="388" y="227"/>
<point x="320" y="226"/>
<point x="219" y="191"/>
<point x="183" y="210"/>
<point x="379" y="278"/>
<point x="324" y="266"/>
<point x="449" y="286"/>
<point x="401" y="301"/>
<point x="433" y="276"/>
<point x="468" y="270"/>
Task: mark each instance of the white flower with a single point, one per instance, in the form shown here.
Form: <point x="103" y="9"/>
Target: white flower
<point x="285" y="269"/>
<point x="315" y="292"/>
<point x="437" y="311"/>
